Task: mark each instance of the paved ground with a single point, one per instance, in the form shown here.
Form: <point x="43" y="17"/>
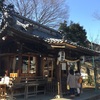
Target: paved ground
<point x="88" y="94"/>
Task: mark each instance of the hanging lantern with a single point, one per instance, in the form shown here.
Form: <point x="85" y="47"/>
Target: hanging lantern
<point x="61" y="56"/>
<point x="82" y="59"/>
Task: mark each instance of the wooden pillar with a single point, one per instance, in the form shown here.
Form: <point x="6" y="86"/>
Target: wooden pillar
<point x="39" y="66"/>
<point x="7" y="65"/>
<point x="0" y="64"/>
<point x="19" y="59"/>
<point x="59" y="85"/>
<point x="0" y="56"/>
<point x="78" y="66"/>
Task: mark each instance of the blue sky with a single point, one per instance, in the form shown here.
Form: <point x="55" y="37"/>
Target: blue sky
<point x="82" y="11"/>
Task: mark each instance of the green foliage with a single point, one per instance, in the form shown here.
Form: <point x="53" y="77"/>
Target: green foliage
<point x="74" y="32"/>
<point x="72" y="67"/>
<point x="63" y="27"/>
<point x="90" y="80"/>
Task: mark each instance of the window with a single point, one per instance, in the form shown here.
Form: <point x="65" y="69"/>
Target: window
<point x="48" y="67"/>
<point x="28" y="64"/>
<point x="25" y="64"/>
<point x="32" y="65"/>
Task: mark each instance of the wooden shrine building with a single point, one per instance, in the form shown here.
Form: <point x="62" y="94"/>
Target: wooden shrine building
<point x="29" y="49"/>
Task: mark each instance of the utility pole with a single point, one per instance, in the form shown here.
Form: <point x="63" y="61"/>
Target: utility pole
<point x="94" y="68"/>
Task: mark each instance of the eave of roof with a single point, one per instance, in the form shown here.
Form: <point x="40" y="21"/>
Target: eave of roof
<point x="60" y="44"/>
<point x="50" y="42"/>
<point x="20" y="35"/>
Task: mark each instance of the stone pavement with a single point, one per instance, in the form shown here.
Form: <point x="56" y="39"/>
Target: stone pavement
<point x="88" y="94"/>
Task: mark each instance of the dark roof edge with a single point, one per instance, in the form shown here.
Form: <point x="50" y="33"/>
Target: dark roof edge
<point x="36" y="23"/>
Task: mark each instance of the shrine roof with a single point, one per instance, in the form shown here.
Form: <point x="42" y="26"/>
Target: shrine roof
<point x="15" y="25"/>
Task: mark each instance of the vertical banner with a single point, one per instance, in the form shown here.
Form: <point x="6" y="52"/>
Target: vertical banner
<point x="63" y="66"/>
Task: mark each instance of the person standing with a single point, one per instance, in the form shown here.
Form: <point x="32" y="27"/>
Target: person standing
<point x="71" y="82"/>
<point x="5" y="79"/>
<point x="78" y="81"/>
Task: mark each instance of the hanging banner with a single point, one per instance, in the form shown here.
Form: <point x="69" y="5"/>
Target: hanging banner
<point x="63" y="66"/>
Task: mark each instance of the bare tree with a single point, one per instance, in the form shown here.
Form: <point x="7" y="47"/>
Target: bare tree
<point x="96" y="15"/>
<point x="47" y="12"/>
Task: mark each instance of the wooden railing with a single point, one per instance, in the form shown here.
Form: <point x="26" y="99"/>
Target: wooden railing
<point x="28" y="86"/>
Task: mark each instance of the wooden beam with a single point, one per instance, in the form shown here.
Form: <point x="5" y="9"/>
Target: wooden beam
<point x="56" y="46"/>
<point x="71" y="46"/>
<point x="7" y="54"/>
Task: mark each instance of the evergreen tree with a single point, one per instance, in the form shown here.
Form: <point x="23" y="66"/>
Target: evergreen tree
<point x="74" y="32"/>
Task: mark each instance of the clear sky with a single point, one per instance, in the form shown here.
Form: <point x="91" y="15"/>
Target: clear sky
<point x="82" y="11"/>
